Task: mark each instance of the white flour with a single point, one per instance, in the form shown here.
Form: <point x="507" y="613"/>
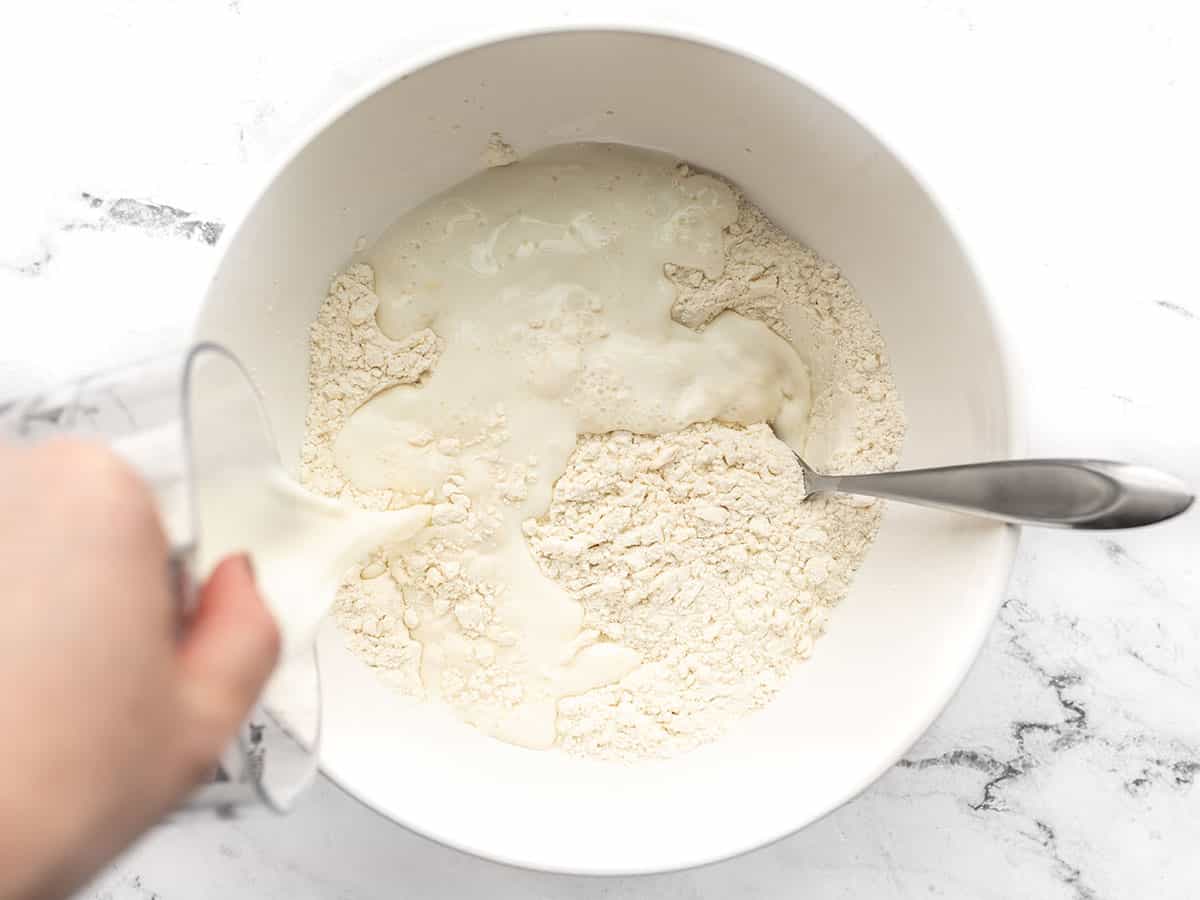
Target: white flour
<point x="697" y="550"/>
<point x="691" y="575"/>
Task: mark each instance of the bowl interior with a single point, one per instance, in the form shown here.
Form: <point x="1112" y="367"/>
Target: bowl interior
<point x="897" y="647"/>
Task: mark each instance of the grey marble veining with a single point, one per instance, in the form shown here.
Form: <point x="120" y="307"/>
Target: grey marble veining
<point x="153" y="218"/>
<point x="97" y="214"/>
<point x="1066" y="765"/>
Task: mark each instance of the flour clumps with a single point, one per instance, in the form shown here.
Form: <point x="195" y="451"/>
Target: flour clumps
<point x="498" y="152"/>
<point x="699" y="551"/>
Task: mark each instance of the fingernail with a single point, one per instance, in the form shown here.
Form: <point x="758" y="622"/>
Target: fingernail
<point x="249" y="564"/>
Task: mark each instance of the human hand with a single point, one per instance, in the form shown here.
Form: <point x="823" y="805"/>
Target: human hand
<point x="108" y="713"/>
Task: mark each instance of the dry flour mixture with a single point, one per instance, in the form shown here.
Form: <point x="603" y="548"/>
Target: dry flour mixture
<point x="571" y="360"/>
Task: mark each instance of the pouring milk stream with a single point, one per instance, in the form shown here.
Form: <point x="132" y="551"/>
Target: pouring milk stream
<point x="301" y="544"/>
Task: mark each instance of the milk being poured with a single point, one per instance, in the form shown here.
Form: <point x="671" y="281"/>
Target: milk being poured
<point x="301" y="544"/>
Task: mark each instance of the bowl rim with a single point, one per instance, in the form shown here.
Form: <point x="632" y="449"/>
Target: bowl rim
<point x="1014" y="389"/>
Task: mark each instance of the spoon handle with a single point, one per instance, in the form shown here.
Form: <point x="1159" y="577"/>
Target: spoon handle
<point x="1065" y="493"/>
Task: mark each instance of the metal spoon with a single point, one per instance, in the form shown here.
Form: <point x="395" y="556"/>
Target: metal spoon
<point x="1062" y="493"/>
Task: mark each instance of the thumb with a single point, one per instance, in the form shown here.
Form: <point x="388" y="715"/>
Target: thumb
<point x="230" y="648"/>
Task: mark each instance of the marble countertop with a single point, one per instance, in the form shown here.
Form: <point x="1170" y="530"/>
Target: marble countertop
<point x="1061" y="137"/>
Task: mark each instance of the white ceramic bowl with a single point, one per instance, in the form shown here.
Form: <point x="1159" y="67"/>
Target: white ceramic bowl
<point x="897" y="648"/>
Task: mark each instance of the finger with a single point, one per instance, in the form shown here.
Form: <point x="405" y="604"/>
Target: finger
<point x="230" y="648"/>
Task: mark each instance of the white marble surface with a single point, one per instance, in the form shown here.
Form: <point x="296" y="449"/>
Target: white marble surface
<point x="1062" y="137"/>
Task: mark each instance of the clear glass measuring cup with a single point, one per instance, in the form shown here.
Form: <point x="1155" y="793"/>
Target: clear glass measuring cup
<point x="184" y="420"/>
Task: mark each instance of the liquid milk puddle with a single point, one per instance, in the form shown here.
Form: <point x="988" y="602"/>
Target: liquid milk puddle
<point x="545" y="280"/>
